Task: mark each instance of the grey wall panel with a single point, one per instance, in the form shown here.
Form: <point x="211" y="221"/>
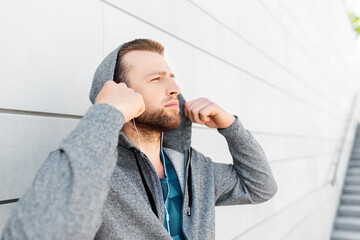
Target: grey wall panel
<point x="5" y="211"/>
<point x="27" y="142"/>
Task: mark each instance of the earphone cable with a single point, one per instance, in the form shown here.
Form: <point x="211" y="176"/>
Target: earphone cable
<point x="138" y="135"/>
<point x="167" y="184"/>
<point x="166" y="175"/>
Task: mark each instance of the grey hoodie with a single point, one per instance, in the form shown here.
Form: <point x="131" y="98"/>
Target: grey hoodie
<point x="98" y="185"/>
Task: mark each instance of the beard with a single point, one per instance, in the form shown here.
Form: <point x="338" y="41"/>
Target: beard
<point x="158" y="120"/>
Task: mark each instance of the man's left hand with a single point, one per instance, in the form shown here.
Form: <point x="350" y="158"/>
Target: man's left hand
<point x="206" y="112"/>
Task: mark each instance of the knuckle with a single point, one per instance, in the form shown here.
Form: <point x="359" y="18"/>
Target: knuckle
<point x="122" y="84"/>
<point x="138" y="95"/>
<point x="202" y="114"/>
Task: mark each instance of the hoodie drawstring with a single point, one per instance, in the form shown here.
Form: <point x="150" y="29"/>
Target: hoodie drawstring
<point x="150" y="196"/>
<point x="147" y="189"/>
<point x="189" y="185"/>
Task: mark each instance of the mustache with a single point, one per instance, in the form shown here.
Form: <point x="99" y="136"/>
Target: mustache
<point x="170" y="100"/>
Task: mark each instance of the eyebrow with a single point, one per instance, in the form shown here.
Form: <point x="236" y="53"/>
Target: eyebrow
<point x="159" y="73"/>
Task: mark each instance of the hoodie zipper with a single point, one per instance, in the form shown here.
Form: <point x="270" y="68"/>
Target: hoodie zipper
<point x="187" y="186"/>
<point x="188" y="209"/>
<point x="156" y="178"/>
<point x="146" y="186"/>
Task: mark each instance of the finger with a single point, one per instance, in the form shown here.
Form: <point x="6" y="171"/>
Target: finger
<point x="195" y="114"/>
<point x="142" y="104"/>
<point x="123" y="84"/>
<point x="187" y="108"/>
<point x="206" y="112"/>
<point x="196" y="108"/>
<point x="194" y="104"/>
<point x="189" y="115"/>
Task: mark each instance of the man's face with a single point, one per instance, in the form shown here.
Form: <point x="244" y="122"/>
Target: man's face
<point x="150" y="75"/>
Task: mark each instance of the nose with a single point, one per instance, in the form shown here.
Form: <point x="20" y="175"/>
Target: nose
<point x="173" y="89"/>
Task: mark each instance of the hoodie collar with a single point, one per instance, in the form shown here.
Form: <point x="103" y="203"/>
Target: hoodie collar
<point x="177" y="138"/>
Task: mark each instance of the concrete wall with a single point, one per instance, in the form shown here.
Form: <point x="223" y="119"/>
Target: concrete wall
<point x="286" y="68"/>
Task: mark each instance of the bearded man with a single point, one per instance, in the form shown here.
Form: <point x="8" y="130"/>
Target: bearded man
<point x="128" y="170"/>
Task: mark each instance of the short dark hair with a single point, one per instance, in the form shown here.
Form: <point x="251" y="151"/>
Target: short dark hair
<point x="121" y="68"/>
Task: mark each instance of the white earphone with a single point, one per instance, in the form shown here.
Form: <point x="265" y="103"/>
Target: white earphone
<point x="166" y="175"/>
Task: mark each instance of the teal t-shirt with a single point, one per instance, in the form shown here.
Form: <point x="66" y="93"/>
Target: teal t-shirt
<point x="171" y="186"/>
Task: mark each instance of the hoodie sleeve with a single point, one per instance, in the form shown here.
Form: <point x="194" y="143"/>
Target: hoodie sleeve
<point x="69" y="190"/>
<point x="249" y="179"/>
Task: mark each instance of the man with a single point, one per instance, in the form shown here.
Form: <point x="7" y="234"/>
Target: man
<point x="128" y="170"/>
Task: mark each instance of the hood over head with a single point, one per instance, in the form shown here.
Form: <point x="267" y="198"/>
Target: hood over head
<point x="177" y="138"/>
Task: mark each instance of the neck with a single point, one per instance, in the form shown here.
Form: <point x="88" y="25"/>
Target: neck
<point x="149" y="140"/>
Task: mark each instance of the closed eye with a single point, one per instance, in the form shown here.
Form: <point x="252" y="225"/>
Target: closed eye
<point x="157" y="78"/>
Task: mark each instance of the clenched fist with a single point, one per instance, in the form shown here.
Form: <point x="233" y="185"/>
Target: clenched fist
<point x="125" y="99"/>
<point x="204" y="111"/>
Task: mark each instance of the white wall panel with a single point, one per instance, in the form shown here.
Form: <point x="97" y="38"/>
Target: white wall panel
<point x="259" y="104"/>
<point x="286" y="68"/>
<point x="230" y="50"/>
<point x="329" y="74"/>
<point x="295" y="177"/>
<point x="49" y="52"/>
<point x="278" y="149"/>
<point x="308" y="227"/>
<point x="281" y="148"/>
<point x="269" y="37"/>
<point x="272" y="226"/>
<point x="120" y="28"/>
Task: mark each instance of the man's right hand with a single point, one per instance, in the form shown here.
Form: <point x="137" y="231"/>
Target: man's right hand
<point x="125" y="99"/>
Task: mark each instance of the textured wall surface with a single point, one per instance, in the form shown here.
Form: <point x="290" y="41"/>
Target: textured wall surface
<point x="286" y="68"/>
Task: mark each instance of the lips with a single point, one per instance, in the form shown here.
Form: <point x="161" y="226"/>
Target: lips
<point x="172" y="104"/>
